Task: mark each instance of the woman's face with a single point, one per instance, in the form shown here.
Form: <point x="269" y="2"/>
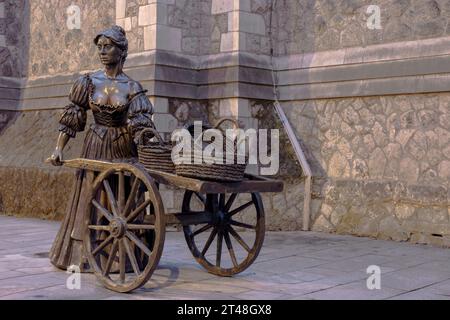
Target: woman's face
<point x="108" y="52"/>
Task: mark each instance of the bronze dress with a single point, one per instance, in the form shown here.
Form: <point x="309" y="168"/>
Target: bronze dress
<point x="111" y="137"/>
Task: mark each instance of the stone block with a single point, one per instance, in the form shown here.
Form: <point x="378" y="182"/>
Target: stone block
<point x="124" y="23"/>
<point x="152" y="14"/>
<point x="2" y="41"/>
<point x="2" y="10"/>
<point x="246" y="22"/>
<point x="243" y="5"/>
<point x="216" y="34"/>
<point x="232" y="41"/>
<point x="444" y="170"/>
<point x="127" y="24"/>
<point x="165" y="123"/>
<point x="121" y="6"/>
<point x="222" y="6"/>
<point x="168" y="38"/>
<point x="168" y="198"/>
<point x="189" y="44"/>
<point x="161" y="105"/>
<point x="134" y="22"/>
<point x="147" y="15"/>
<point x="233" y="21"/>
<point x="228" y="40"/>
<point x="161" y="1"/>
<point x="150" y="37"/>
<point x="234" y="108"/>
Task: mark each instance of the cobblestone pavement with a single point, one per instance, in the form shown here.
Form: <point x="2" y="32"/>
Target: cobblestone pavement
<point x="292" y="265"/>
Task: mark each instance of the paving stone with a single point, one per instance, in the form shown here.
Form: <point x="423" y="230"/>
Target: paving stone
<point x="292" y="265"/>
<point x="288" y="264"/>
<point x="358" y="263"/>
<point x="441" y="288"/>
<point x="354" y="291"/>
<point x="259" y="295"/>
<point x="340" y="253"/>
<point x="423" y="294"/>
<point x="413" y="278"/>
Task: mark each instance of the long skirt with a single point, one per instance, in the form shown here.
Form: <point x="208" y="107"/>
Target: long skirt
<point x="101" y="143"/>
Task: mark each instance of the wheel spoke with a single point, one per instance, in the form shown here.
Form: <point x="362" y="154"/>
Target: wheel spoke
<point x="241" y="208"/>
<point x="121" y="191"/>
<point x="226" y="231"/>
<point x="102" y="245"/>
<point x="138" y="243"/>
<point x="122" y="261"/>
<point x="131" y="197"/>
<point x="200" y="197"/>
<point x="111" y="258"/>
<point x="103" y="210"/>
<point x="99" y="228"/>
<point x="201" y="230"/>
<point x="111" y="198"/>
<point x="219" y="248"/>
<point x="209" y="241"/>
<point x="241" y="224"/>
<point x="221" y="200"/>
<point x="230" y="248"/>
<point x="138" y="210"/>
<point x="140" y="227"/>
<point x="230" y="202"/>
<point x="238" y="238"/>
<point x="131" y="256"/>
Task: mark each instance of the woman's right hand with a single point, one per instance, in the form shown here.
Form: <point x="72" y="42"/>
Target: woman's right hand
<point x="56" y="158"/>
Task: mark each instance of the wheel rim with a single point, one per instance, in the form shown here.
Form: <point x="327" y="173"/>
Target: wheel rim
<point x="125" y="228"/>
<point x="225" y="231"/>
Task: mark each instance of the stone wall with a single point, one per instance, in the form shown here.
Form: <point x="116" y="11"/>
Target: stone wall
<point x="54" y="48"/>
<point x="382" y="164"/>
<point x="14" y="31"/>
<point x="6" y="119"/>
<point x="200" y="28"/>
<point x="377" y="140"/>
<point x="185" y="26"/>
<point x="317" y="25"/>
<point x="29" y="186"/>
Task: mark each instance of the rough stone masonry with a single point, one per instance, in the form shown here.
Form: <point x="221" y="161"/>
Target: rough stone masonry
<point x="370" y="108"/>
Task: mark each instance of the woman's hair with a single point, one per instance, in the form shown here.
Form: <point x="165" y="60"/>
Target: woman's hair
<point x="118" y="36"/>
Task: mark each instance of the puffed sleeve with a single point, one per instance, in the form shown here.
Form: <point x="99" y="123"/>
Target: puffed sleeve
<point x="79" y="93"/>
<point x="140" y="114"/>
<point x="73" y="118"/>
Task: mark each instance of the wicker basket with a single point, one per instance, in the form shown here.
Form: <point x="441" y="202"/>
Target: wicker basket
<point x="205" y="169"/>
<point x="155" y="155"/>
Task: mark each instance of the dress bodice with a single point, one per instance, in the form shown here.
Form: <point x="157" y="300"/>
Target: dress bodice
<point x="124" y="118"/>
<point x="107" y="115"/>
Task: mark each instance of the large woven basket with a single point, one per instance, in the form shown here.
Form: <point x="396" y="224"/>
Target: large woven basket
<point x="155" y="155"/>
<point x="205" y="169"/>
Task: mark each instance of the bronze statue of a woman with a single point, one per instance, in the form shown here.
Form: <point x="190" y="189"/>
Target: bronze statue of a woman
<point x="121" y="110"/>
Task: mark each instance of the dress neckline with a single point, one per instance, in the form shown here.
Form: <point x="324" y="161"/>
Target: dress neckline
<point x="108" y="107"/>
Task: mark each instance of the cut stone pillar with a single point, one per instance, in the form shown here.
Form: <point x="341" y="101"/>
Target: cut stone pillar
<point x="158" y="35"/>
<point x="240" y="23"/>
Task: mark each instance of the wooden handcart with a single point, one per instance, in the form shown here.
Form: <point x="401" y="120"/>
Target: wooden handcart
<point x="126" y="221"/>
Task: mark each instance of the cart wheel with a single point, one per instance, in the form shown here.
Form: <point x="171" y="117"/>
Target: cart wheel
<point x="125" y="228"/>
<point x="229" y="220"/>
